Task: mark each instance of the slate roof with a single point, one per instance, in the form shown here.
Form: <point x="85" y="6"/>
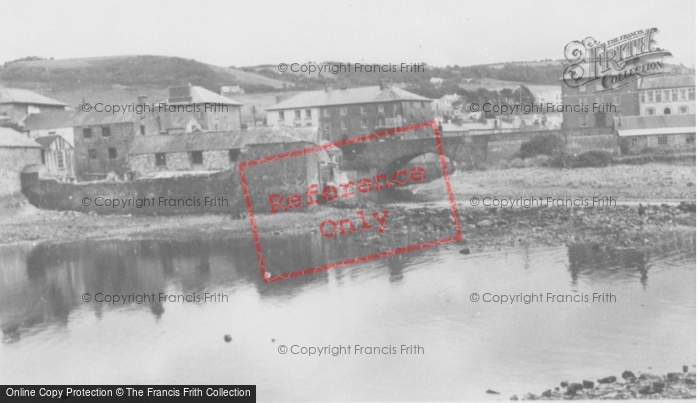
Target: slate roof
<point x="207" y="141"/>
<point x="50" y="120"/>
<point x="22" y="96"/>
<point x="204" y="96"/>
<point x="667" y="81"/>
<point x="348" y="96"/>
<point x="45" y="141"/>
<point x="10" y="138"/>
<point x="656" y="125"/>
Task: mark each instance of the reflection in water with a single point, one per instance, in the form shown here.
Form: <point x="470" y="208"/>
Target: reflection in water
<point x="417" y="298"/>
<point x="609" y="264"/>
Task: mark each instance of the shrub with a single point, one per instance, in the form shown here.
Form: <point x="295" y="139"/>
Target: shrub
<point x="517" y="163"/>
<point x="596" y="158"/>
<point x="544" y="144"/>
<point x="543" y="160"/>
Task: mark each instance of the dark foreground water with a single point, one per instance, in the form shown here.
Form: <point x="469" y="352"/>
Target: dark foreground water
<point x="50" y="336"/>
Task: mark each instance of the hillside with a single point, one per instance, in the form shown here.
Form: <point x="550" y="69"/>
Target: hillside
<point x="102" y="73"/>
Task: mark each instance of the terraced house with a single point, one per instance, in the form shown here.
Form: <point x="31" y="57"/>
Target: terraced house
<point x="667" y="95"/>
<point x="350" y="112"/>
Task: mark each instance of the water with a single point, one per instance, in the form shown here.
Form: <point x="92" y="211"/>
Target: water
<point x="423" y="298"/>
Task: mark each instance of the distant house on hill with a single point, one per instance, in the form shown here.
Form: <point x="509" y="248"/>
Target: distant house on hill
<point x="231" y="90"/>
<point x="16" y="104"/>
<point x="16" y="152"/>
<point x="212" y="111"/>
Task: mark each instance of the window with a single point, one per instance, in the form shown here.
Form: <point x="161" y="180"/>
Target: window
<point x="657" y="96"/>
<point x="326" y="125"/>
<point x="297" y="114"/>
<point x="308" y="113"/>
<point x="380" y="108"/>
<point x="197" y="157"/>
<point x="582" y="121"/>
<point x="683" y="109"/>
<point x="690" y="139"/>
<point x="641" y="97"/>
<point x="363" y="110"/>
<point x="143" y="130"/>
<point x="667" y="111"/>
<point x="92" y="154"/>
<point x="363" y="123"/>
<point x="280" y="115"/>
<point x="666" y="95"/>
<point x="60" y="160"/>
<point x="160" y="160"/>
<point x="234" y="154"/>
<point x="650" y="96"/>
<point x="87" y="132"/>
<point x="326" y="112"/>
<point x="616" y="100"/>
<point x="662" y="140"/>
<point x="599" y="100"/>
<point x="106" y="132"/>
<point x="382" y="122"/>
<point x="112" y="153"/>
<point x="634" y="142"/>
<point x="582" y="88"/>
<point x="684" y="94"/>
<point x="691" y="94"/>
<point x="674" y="95"/>
<point x="649" y="111"/>
<point x="343" y="111"/>
<point x="343" y="125"/>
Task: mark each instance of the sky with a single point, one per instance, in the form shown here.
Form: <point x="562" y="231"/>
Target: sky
<point x="247" y="33"/>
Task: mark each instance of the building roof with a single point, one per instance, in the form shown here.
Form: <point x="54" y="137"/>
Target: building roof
<point x="656" y="125"/>
<point x="22" y="96"/>
<point x="50" y="120"/>
<point x="667" y="81"/>
<point x="10" y="138"/>
<point x="348" y="96"/>
<point x="202" y="95"/>
<point x="207" y="141"/>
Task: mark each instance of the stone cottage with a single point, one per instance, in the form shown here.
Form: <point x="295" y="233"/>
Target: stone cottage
<point x="16" y="152"/>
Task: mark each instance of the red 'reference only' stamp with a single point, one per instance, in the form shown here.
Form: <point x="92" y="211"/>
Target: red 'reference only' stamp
<point x="373" y="222"/>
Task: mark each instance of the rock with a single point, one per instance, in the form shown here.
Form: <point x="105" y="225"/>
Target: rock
<point x="588" y="384"/>
<point x="608" y="379"/>
<point x="658" y="386"/>
<point x="547" y="393"/>
<point x="484" y="223"/>
<point x="514" y="397"/>
<point x="685" y="369"/>
<point x="227" y="338"/>
<point x="628" y="376"/>
<point x="492" y="392"/>
<point x="564" y="384"/>
<point x="464" y="251"/>
<point x="573" y="388"/>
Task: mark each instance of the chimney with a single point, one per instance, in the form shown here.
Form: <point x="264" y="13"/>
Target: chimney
<point x="329" y="88"/>
<point x="142" y="99"/>
<point x="382" y="85"/>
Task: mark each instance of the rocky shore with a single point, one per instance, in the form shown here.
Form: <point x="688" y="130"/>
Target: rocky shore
<point x="484" y="229"/>
<point x="674" y="385"/>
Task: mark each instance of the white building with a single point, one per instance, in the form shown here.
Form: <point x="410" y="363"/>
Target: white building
<point x="667" y="95"/>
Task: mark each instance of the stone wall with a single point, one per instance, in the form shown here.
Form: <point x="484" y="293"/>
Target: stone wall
<point x="215" y="160"/>
<point x="12" y="161"/>
<point x="636" y="144"/>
